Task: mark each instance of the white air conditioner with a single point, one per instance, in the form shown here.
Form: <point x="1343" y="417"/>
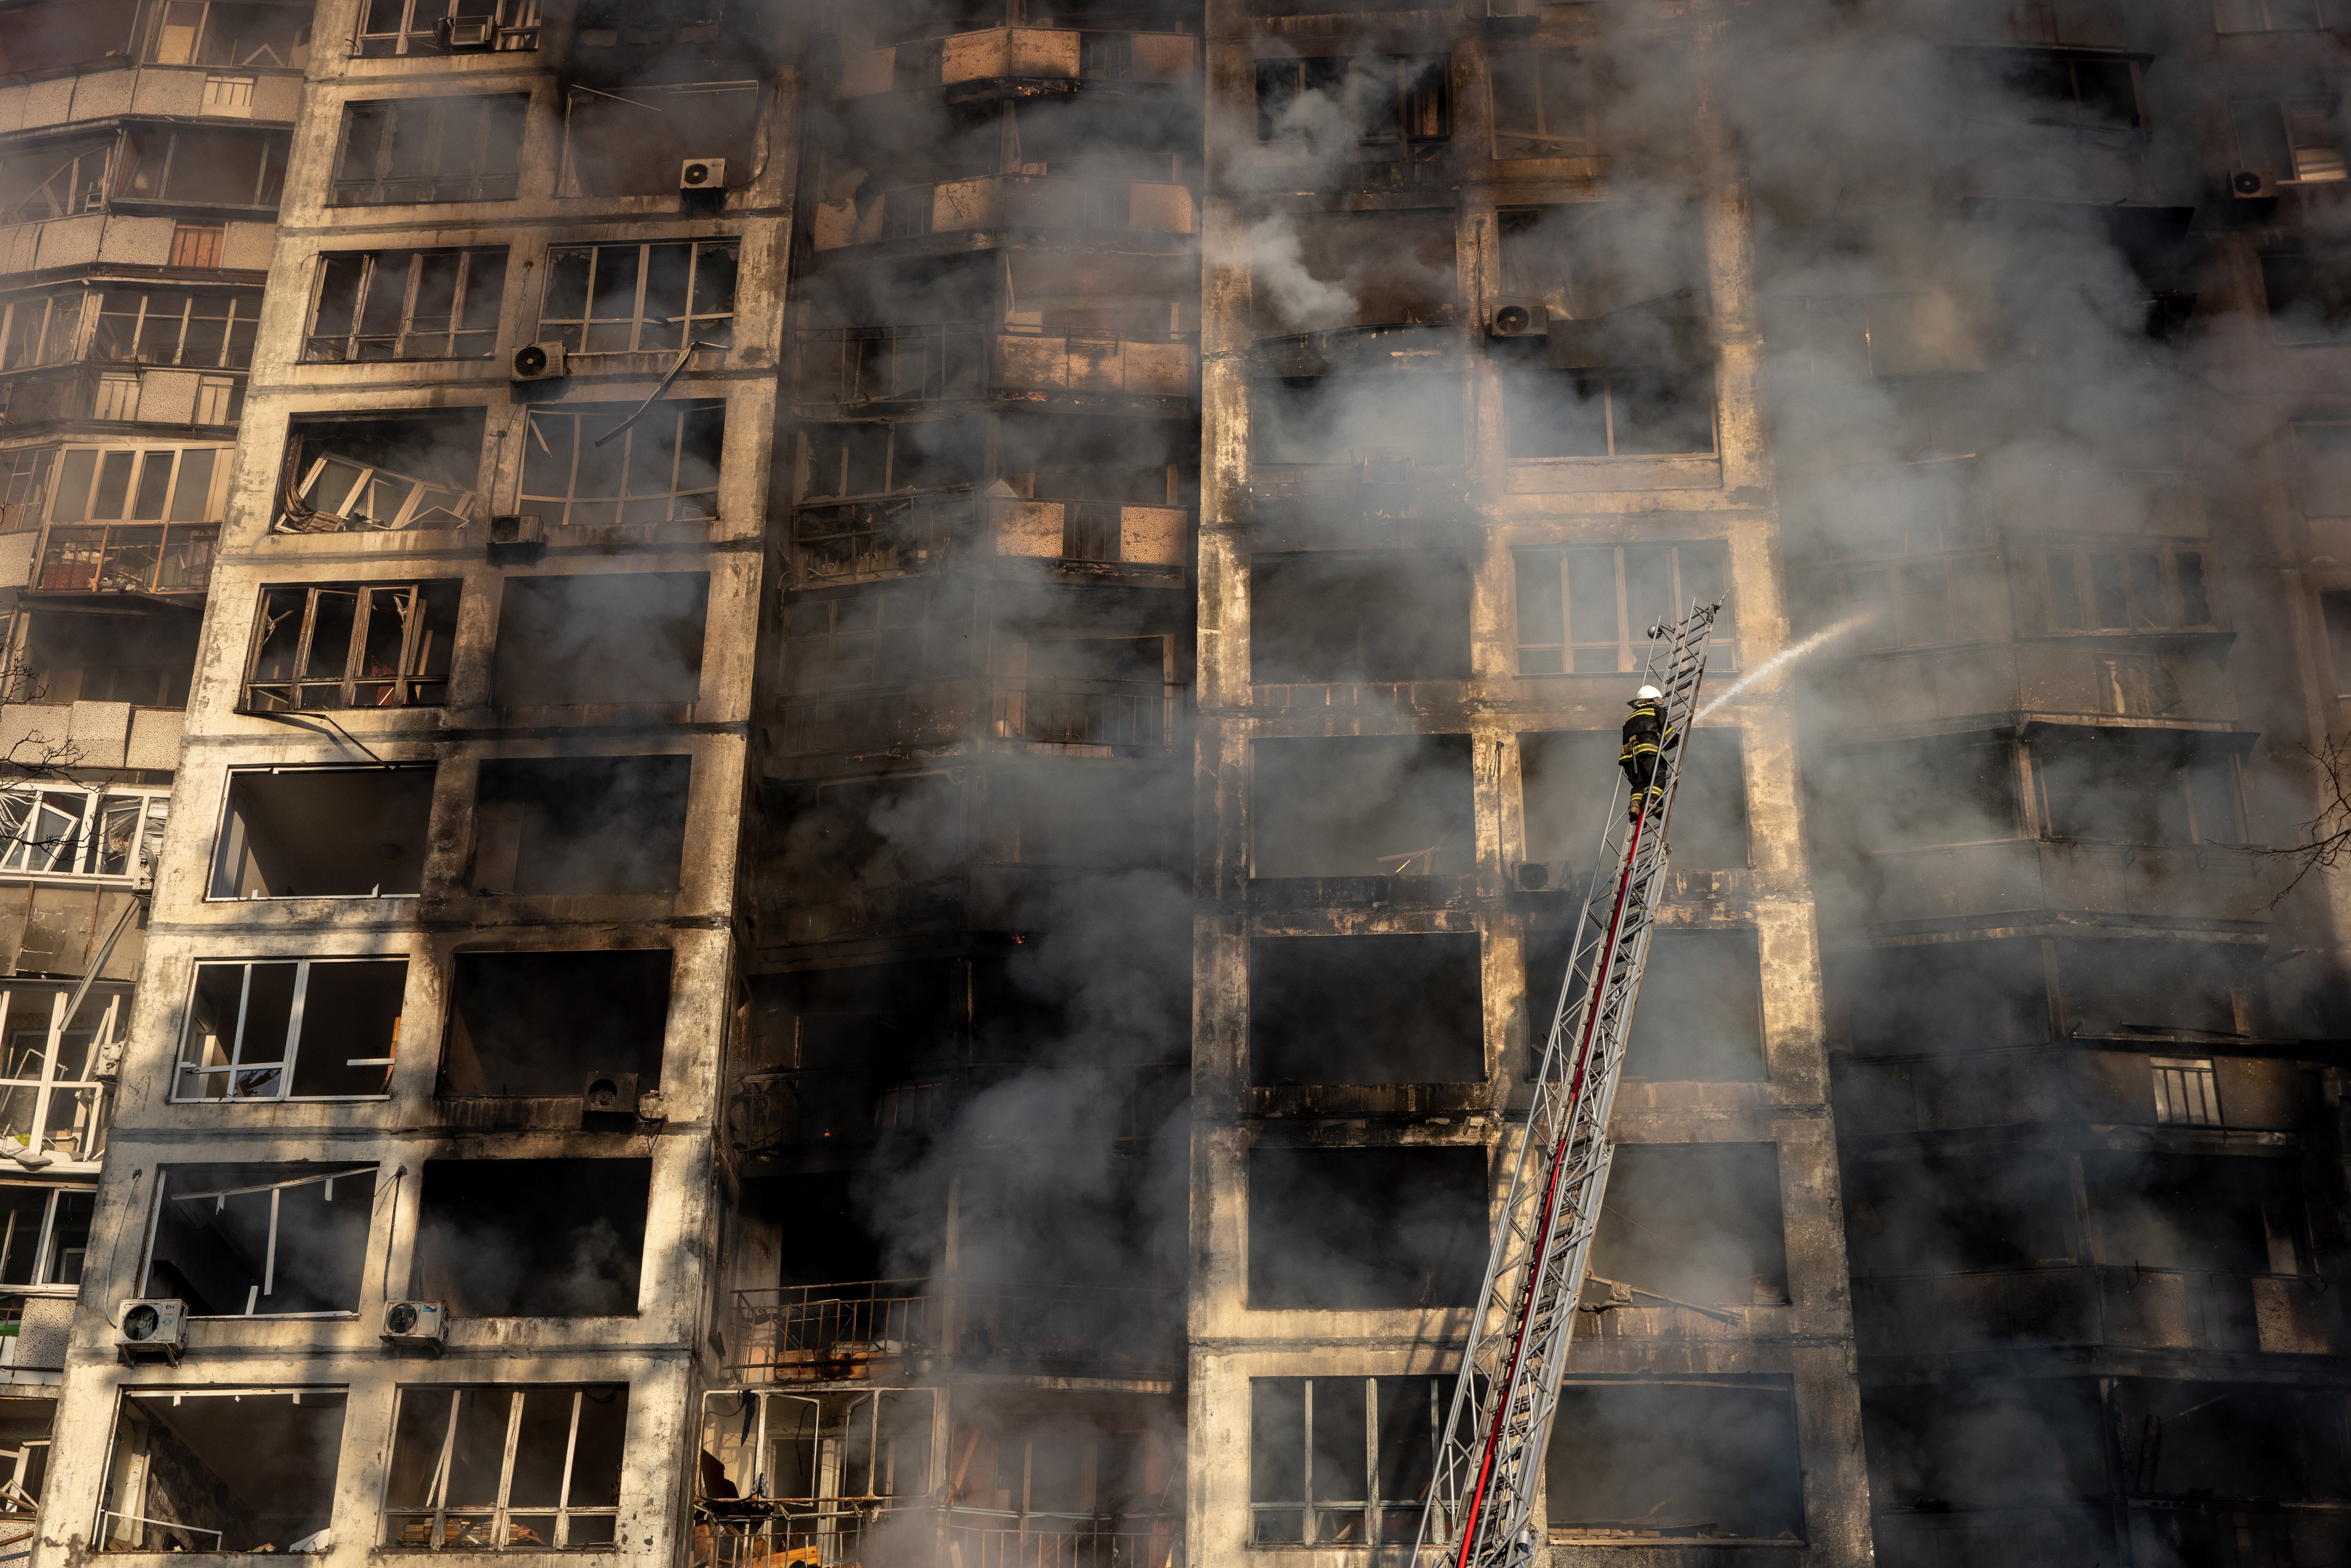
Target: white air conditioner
<point x="2253" y="186"/>
<point x="539" y="363"/>
<point x="151" y="1330"/>
<point x="702" y="174"/>
<point x="468" y="32"/>
<point x="1517" y="318"/>
<point x="415" y="1323"/>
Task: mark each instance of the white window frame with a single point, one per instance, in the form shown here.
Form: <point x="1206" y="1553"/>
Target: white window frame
<point x="164" y="1194"/>
<point x="215" y="484"/>
<point x="402" y="270"/>
<point x="496" y="1515"/>
<point x="423" y="495"/>
<point x="150" y="315"/>
<point x="87" y="1145"/>
<point x="290" y="1049"/>
<point x="60" y="329"/>
<point x="44" y="1262"/>
<point x="69" y="855"/>
<point x="2187" y="1090"/>
<point x="690" y="326"/>
<point x="115" y="1476"/>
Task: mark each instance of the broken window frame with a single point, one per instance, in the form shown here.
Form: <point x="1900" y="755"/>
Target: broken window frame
<point x="581" y="334"/>
<point x="418" y="28"/>
<point x="115" y="1473"/>
<point x="219" y="1197"/>
<point x="714" y="1421"/>
<point x="2181" y="585"/>
<point x="2187" y="1090"/>
<point x="410" y="683"/>
<point x="499" y="1515"/>
<point x="1378" y="1520"/>
<point x="51" y="320"/>
<point x="165" y="329"/>
<point x="28" y="1466"/>
<point x="1404" y="101"/>
<point x="56" y="831"/>
<point x="48" y="1265"/>
<point x="25" y="483"/>
<point x="416" y="508"/>
<point x="201" y="39"/>
<point x="467" y="325"/>
<point x="1535" y="598"/>
<point x="79" y="184"/>
<point x="2299" y="141"/>
<point x="464" y="137"/>
<point x="668" y="422"/>
<point x="268" y="170"/>
<point x="1542" y="70"/>
<point x="239" y="1075"/>
<point x="85" y="1131"/>
<point x="1610" y="386"/>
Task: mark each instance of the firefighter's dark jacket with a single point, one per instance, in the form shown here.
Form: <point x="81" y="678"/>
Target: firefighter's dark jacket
<point x="1646" y="737"/>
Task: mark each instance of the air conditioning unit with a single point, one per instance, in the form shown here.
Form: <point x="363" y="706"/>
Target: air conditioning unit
<point x="539" y="363"/>
<point x="415" y="1323"/>
<point x="610" y="1097"/>
<point x="702" y="174"/>
<point x="2253" y="186"/>
<point x="517" y="537"/>
<point x="1517" y="318"/>
<point x="468" y="32"/>
<point x="151" y="1330"/>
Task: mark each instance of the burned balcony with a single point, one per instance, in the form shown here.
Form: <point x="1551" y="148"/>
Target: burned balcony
<point x="349" y="473"/>
<point x="1022" y="60"/>
<point x="1357" y="422"/>
<point x="1048" y="203"/>
<point x="847" y="370"/>
<point x="164" y="559"/>
<point x="878" y="1327"/>
<point x="2116" y="1307"/>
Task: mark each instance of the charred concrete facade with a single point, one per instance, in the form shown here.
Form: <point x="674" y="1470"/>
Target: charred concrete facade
<point x="892" y="714"/>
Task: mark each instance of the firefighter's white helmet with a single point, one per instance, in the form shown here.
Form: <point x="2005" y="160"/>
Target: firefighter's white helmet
<point x="1647" y="694"/>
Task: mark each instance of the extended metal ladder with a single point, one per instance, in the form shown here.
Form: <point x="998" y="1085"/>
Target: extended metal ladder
<point x="1489" y="1456"/>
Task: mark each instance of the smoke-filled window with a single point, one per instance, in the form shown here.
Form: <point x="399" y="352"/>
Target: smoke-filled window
<point x="352" y="644"/>
<point x="1315" y="272"/>
<point x="323" y="833"/>
<point x="1702" y="1013"/>
<point x="51" y="1099"/>
<point x="2301" y="141"/>
<point x="1364" y="1229"/>
<point x="2240" y="1215"/>
<point x="2275" y="16"/>
<point x="1365" y="1009"/>
<point x="1965" y="1214"/>
<point x="212" y="331"/>
<point x="413" y="470"/>
<point x="216" y="168"/>
<point x="532" y="1239"/>
<point x="2309" y="294"/>
<point x="1694" y="1222"/>
<point x="54" y="181"/>
<point x="2241" y="1440"/>
<point x="299" y="1031"/>
<point x="1588" y="610"/>
<point x="223" y="1470"/>
<point x="406" y="305"/>
<point x="1924" y="603"/>
<point x="2135" y="787"/>
<point x="886" y="636"/>
<point x="40" y="330"/>
<point x="1911" y="794"/>
<point x="1342" y="1461"/>
<point x="2336" y="608"/>
<point x="225" y="33"/>
<point x="1621" y="412"/>
<point x="2128" y="591"/>
<point x="2323" y="447"/>
<point x="608" y="298"/>
<point x="262" y="1241"/>
<point x="580" y="825"/>
<point x="485" y="1467"/>
<point x="637" y="145"/>
<point x="2144" y="986"/>
<point x="858" y="459"/>
<point x="1361" y="806"/>
<point x="663" y="468"/>
<point x="430" y="150"/>
<point x="1382" y="419"/>
<point x="1565" y="777"/>
<point x="609" y="637"/>
<point x="1371" y="616"/>
<point x="1702" y="1458"/>
<point x="1946" y="996"/>
<point x="1383" y="105"/>
<point x="1542" y="105"/>
<point x="537" y="1024"/>
<point x="1985" y="1443"/>
<point x="2059" y="86"/>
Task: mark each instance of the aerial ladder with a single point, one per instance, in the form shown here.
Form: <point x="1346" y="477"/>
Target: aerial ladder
<point x="1490" y="1456"/>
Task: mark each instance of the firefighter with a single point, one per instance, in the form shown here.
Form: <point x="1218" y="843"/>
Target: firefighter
<point x="1647" y="737"/>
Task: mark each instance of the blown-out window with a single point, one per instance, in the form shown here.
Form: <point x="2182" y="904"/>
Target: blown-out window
<point x="50" y="1096"/>
<point x="1542" y="105"/>
<point x="210" y="331"/>
<point x="407" y="305"/>
<point x="323" y="1029"/>
<point x="605" y="298"/>
<point x="61" y="830"/>
<point x="430" y="150"/>
<point x="54" y="182"/>
<point x="581" y="468"/>
<point x="40" y="330"/>
<point x="1381" y="99"/>
<point x="414" y="472"/>
<point x="503" y="1469"/>
<point x="227" y="33"/>
<point x="44" y="1233"/>
<point x="2130" y="590"/>
<point x="1588" y="610"/>
<point x="634" y="143"/>
<point x="215" y="168"/>
<point x="881" y="637"/>
<point x="262" y="1241"/>
<point x="1342" y="1461"/>
<point x="352" y="644"/>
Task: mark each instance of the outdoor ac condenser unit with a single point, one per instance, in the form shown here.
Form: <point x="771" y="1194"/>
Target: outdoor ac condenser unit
<point x="468" y="32"/>
<point x="1517" y="318"/>
<point x="415" y="1323"/>
<point x="539" y="363"/>
<point x="151" y="1330"/>
<point x="702" y="174"/>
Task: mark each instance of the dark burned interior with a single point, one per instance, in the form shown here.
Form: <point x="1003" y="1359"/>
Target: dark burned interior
<point x="580" y="825"/>
<point x="324" y="832"/>
<point x="533" y="1237"/>
<point x="537" y="1024"/>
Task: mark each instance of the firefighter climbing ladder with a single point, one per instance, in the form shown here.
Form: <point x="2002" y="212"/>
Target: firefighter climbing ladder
<point x="1481" y="1500"/>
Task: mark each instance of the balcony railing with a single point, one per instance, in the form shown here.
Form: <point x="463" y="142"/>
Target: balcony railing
<point x="1007" y="201"/>
<point x="878" y="536"/>
<point x="828" y="1534"/>
<point x="1085" y="712"/>
<point x="126" y="558"/>
<point x="811" y="1332"/>
<point x="857" y="366"/>
<point x="1021" y="54"/>
<point x="2120" y="1307"/>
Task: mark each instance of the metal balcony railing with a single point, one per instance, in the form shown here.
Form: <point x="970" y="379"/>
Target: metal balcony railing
<point x="874" y="535"/>
<point x="2120" y="1307"/>
<point x="846" y="1534"/>
<point x="126" y="558"/>
<point x="1085" y="712"/>
<point x="816" y="1331"/>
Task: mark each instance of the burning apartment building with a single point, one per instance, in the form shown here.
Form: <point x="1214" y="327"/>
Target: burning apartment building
<point x="805" y="783"/>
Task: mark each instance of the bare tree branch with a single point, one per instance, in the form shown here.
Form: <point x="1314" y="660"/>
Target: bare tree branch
<point x="2325" y="838"/>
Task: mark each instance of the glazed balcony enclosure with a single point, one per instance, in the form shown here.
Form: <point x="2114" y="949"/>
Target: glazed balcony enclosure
<point x="171" y="558"/>
<point x="845" y="369"/>
<point x="990" y="202"/>
<point x="1027" y="55"/>
<point x="889" y="1328"/>
<point x="909" y="532"/>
